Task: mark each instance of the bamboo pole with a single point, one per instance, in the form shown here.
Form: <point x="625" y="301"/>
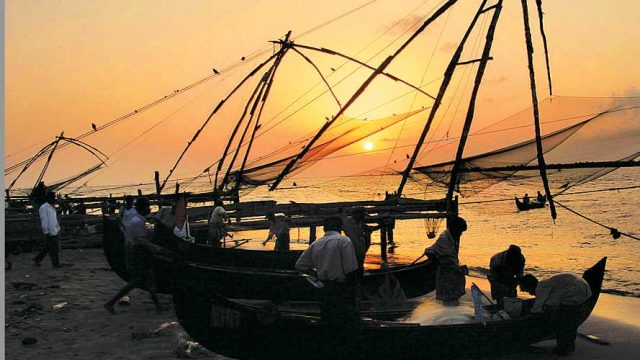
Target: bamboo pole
<point x="544" y="42"/>
<point x="536" y="113"/>
<point x="360" y="90"/>
<point x="472" y="103"/>
<point x="448" y="74"/>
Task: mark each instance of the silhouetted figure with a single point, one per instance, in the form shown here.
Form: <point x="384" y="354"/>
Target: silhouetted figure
<point x="38" y="194"/>
<point x="540" y="198"/>
<point x="564" y="293"/>
<point x="278" y="229"/>
<point x="525" y="199"/>
<point x="217" y="230"/>
<point x="504" y="270"/>
<point x="359" y="233"/>
<point x="450" y="280"/>
<point x="50" y="229"/>
<point x="94" y="127"/>
<point x="127" y="211"/>
<point x="138" y="255"/>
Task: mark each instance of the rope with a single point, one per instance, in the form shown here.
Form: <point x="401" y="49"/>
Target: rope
<point x="613" y="230"/>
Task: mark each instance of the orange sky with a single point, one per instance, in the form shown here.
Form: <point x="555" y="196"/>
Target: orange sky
<point x="71" y="63"/>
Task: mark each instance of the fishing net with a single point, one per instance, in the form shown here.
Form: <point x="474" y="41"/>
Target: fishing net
<point x="343" y="132"/>
<point x="583" y="139"/>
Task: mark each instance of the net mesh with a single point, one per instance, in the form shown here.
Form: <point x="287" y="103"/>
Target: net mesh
<point x="577" y="130"/>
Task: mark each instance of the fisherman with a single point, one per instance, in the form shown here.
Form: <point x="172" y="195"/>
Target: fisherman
<point x="217" y="229"/>
<point x="127" y="211"/>
<point x="525" y="199"/>
<point x="504" y="270"/>
<point x="278" y="228"/>
<point x="138" y="256"/>
<point x="333" y="261"/>
<point x="450" y="280"/>
<point x="359" y="233"/>
<point x="540" y="198"/>
<point x="50" y="229"/>
<point x="565" y="293"/>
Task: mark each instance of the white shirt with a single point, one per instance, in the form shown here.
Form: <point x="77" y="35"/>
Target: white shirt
<point x="49" y="220"/>
<point x="279" y="227"/>
<point x="127" y="214"/>
<point x="135" y="231"/>
<point x="562" y="289"/>
<point x="218" y="215"/>
<point x="446" y="248"/>
<point x="332" y="256"/>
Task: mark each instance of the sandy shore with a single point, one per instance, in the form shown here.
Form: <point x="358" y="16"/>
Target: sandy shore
<point x="63" y="312"/>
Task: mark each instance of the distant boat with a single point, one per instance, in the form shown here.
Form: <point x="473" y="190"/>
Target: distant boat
<point x="234" y="329"/>
<point x="533" y="204"/>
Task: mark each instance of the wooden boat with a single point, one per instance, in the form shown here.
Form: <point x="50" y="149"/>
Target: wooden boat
<point x="237" y="330"/>
<point x="252" y="274"/>
<point x="531" y="205"/>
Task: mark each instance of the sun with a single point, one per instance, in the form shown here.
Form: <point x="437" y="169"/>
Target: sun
<point x="368" y="146"/>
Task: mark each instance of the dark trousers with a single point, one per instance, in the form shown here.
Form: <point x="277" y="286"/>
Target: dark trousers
<point x="566" y="328"/>
<point x="340" y="313"/>
<point x="51" y="247"/>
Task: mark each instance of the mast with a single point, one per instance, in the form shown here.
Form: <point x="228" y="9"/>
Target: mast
<point x="360" y="90"/>
<point x="268" y="84"/>
<point x="195" y="136"/>
<point x="448" y="74"/>
<point x="472" y="102"/>
<point x="536" y="113"/>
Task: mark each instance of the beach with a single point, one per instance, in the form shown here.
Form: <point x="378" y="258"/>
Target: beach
<point x="63" y="310"/>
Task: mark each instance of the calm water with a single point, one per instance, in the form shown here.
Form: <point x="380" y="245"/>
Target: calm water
<point x="571" y="244"/>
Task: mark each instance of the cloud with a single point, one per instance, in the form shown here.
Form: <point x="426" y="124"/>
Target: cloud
<point x="632" y="91"/>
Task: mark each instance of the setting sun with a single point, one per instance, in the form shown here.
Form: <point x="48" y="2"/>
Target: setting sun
<point x="368" y="146"/>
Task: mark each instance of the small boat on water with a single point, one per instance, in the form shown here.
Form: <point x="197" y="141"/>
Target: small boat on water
<point x="253" y="274"/>
<point x="525" y="206"/>
<point x="237" y="330"/>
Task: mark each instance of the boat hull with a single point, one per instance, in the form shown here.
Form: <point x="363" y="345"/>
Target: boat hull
<point x="232" y="329"/>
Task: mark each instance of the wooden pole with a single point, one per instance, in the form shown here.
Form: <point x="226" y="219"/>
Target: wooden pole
<point x="157" y="180"/>
<point x="360" y="90"/>
<point x="312" y="234"/>
<point x="139" y="192"/>
<point x="536" y="113"/>
<point x="383" y="241"/>
<point x="486" y="52"/>
<point x="448" y="74"/>
<point x="544" y="42"/>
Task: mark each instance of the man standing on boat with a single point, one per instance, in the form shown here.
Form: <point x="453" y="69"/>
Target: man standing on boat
<point x="504" y="269"/>
<point x="563" y="293"/>
<point x="278" y="229"/>
<point x="138" y="256"/>
<point x="336" y="266"/>
<point x="450" y="280"/>
<point x="217" y="229"/>
<point x="334" y="261"/>
<point x="51" y="229"/>
<point x="127" y="211"/>
<point x="359" y="233"/>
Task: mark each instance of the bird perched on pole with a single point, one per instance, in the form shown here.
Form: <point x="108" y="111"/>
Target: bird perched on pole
<point x="94" y="126"/>
<point x="216" y="71"/>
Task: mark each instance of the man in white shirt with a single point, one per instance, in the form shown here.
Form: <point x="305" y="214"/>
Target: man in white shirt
<point x="278" y="229"/>
<point x="50" y="229"/>
<point x="128" y="210"/>
<point x="217" y="229"/>
<point x="564" y="293"/>
<point x="334" y="261"/>
<point x="139" y="256"/>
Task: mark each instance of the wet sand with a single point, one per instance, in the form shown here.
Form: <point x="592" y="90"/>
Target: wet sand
<point x="83" y="329"/>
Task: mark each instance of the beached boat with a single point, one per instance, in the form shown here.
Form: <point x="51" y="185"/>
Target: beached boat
<point x="233" y="329"/>
<point x="252" y="274"/>
<point x="522" y="206"/>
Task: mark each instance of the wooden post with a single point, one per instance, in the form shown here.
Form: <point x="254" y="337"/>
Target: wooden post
<point x="312" y="234"/>
<point x="139" y="192"/>
<point x="383" y="242"/>
<point x="177" y="188"/>
<point x="390" y="236"/>
<point x="157" y="179"/>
